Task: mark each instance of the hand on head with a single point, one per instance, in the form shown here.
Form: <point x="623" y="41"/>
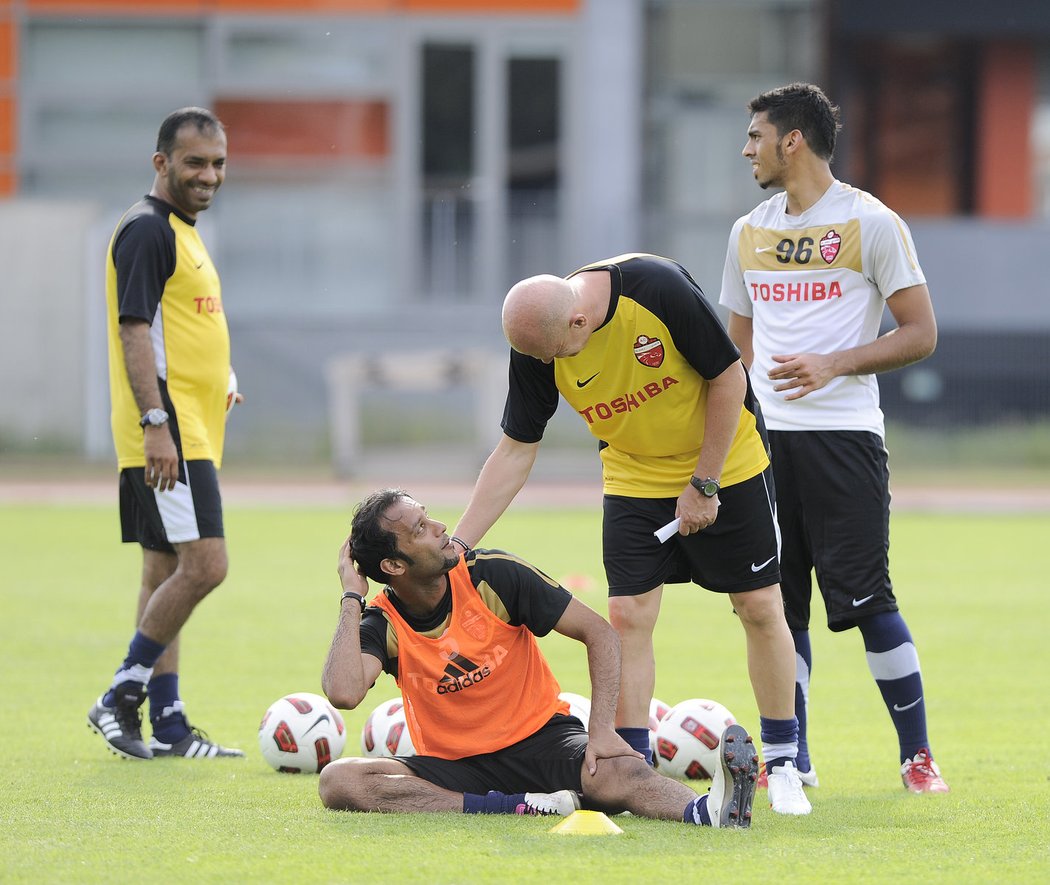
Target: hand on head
<point x="350" y="574"/>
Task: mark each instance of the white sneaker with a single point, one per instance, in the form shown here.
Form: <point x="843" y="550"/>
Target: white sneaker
<point x="563" y="802"/>
<point x="809" y="778"/>
<point x="786" y="795"/>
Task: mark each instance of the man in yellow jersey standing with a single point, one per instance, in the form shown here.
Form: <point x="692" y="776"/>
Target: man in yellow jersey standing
<point x="169" y="370"/>
<point x="458" y="633"/>
<point x="808" y="274"/>
<point x="632" y="345"/>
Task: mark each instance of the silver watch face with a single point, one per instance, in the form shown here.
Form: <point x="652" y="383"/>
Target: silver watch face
<point x="154" y="417"/>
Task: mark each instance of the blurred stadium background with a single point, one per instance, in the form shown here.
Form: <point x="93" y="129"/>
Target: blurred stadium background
<point x="396" y="164"/>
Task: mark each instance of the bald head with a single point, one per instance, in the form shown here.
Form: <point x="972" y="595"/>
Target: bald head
<point x="537" y="314"/>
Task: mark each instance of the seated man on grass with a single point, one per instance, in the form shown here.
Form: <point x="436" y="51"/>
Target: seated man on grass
<point x="458" y="633"/>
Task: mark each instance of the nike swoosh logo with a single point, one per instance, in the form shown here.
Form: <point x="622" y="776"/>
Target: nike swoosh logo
<point x="907" y="706"/>
<point x="857" y="602"/>
<point x="758" y="568"/>
<point x="582" y="384"/>
<point x="324" y="717"/>
<point x="199" y="266"/>
<point x="760" y="249"/>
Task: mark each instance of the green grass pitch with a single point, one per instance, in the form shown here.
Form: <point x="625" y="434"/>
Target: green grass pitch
<point x="973" y="589"/>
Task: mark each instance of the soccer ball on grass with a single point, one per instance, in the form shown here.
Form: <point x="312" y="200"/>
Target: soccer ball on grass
<point x="301" y="733"/>
<point x="386" y="731"/>
<point x="687" y="738"/>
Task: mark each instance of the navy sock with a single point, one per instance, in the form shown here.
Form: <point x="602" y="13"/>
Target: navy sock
<point x="803" y="668"/>
<point x="894" y="663"/>
<point x="779" y="741"/>
<point x="493" y="802"/>
<point x="638" y="738"/>
<point x="143" y="653"/>
<point x="696" y="812"/>
<point x="166" y="714"/>
<point x="162" y="691"/>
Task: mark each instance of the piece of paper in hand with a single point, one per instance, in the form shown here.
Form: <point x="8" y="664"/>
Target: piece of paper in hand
<point x="664" y="533"/>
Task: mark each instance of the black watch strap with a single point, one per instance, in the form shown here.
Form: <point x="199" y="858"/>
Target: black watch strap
<point x="708" y="487"/>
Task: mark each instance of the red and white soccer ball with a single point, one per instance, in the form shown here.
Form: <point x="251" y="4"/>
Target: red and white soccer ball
<point x="657" y="710"/>
<point x="687" y="738"/>
<point x="301" y="733"/>
<point x="579" y="706"/>
<point x="386" y="731"/>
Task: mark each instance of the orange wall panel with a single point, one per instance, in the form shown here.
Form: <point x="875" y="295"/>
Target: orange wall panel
<point x="8" y="49"/>
<point x="249" y="6"/>
<point x="7" y="127"/>
<point x="306" y="129"/>
<point x="188" y="7"/>
<point x="108" y="7"/>
<point x="1006" y="99"/>
<point x="480" y="7"/>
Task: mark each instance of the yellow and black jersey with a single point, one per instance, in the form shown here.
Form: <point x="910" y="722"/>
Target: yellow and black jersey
<point x="641" y="383"/>
<point x="158" y="270"/>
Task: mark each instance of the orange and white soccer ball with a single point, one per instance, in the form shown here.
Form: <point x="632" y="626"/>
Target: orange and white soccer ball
<point x="301" y="733"/>
<point x="579" y="706"/>
<point x="687" y="738"/>
<point x="657" y="710"/>
<point x="386" y="731"/>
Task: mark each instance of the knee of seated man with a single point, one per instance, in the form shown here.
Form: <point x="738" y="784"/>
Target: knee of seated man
<point x="335" y="785"/>
<point x="617" y="776"/>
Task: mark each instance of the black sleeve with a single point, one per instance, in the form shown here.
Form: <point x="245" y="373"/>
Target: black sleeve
<point x="532" y="398"/>
<point x="531" y="598"/>
<point x="373" y="630"/>
<point x="144" y="257"/>
<point x="667" y="289"/>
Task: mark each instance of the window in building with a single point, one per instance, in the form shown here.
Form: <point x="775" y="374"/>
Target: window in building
<point x="448" y="167"/>
<point x="533" y="166"/>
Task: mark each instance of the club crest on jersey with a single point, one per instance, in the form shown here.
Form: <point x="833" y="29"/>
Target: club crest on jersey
<point x="649" y="351"/>
<point x="829" y="246"/>
<point x="474" y="624"/>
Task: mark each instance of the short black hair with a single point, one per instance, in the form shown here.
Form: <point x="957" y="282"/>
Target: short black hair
<point x="804" y="107"/>
<point x="202" y="118"/>
<point x="370" y="540"/>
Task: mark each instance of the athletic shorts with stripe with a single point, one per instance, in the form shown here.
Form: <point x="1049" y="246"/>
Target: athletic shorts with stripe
<point x="189" y="512"/>
<point x="738" y="552"/>
<point x="551" y="759"/>
<point x="833" y="504"/>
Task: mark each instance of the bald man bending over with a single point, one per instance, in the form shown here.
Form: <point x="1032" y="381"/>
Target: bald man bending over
<point x="634" y="348"/>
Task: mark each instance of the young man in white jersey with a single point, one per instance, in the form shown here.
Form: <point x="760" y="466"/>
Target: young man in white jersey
<point x="807" y="276"/>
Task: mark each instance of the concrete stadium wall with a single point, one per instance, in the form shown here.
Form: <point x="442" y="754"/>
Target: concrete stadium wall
<point x="44" y="264"/>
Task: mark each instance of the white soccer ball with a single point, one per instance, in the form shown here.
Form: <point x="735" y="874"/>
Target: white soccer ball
<point x="385" y="732"/>
<point x="687" y="738"/>
<point x="301" y="733"/>
<point x="657" y="710"/>
<point x="579" y="706"/>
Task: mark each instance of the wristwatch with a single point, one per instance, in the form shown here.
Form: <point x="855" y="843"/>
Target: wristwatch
<point x="707" y="487"/>
<point x="154" y="418"/>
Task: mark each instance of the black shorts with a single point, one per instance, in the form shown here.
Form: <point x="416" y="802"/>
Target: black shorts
<point x="833" y="505"/>
<point x="545" y="762"/>
<point x="189" y="512"/>
<point x="737" y="552"/>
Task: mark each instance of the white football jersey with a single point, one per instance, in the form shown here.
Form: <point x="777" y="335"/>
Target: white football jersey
<point x="817" y="283"/>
